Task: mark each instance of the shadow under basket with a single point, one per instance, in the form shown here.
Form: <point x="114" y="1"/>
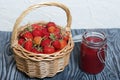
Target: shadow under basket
<point x="41" y="65"/>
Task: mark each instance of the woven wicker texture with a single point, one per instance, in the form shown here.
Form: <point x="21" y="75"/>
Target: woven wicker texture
<point x="41" y="65"/>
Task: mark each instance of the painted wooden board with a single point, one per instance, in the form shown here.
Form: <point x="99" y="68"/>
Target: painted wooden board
<point x="8" y="70"/>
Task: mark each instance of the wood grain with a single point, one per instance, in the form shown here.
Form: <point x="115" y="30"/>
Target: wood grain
<point x="8" y="70"/>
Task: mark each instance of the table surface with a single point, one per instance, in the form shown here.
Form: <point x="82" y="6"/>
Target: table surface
<point x="8" y="70"/>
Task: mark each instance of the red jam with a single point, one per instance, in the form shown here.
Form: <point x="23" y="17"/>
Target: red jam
<point x="90" y="63"/>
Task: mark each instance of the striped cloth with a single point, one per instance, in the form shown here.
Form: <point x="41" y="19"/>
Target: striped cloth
<point x="8" y="70"/>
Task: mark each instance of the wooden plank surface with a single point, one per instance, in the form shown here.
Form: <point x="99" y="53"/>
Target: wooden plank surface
<point x="8" y="70"/>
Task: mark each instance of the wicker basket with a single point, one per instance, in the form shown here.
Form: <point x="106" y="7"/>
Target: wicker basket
<point x="41" y="65"/>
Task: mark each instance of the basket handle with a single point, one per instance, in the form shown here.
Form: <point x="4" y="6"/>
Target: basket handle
<point x="20" y="18"/>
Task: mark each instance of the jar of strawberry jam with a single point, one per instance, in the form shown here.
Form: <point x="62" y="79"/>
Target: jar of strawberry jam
<point x="93" y="51"/>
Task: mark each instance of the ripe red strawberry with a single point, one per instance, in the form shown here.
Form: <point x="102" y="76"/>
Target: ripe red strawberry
<point x="34" y="50"/>
<point x="46" y="35"/>
<point x="56" y="44"/>
<point x="50" y="24"/>
<point x="37" y="50"/>
<point x="45" y="42"/>
<point x="37" y="32"/>
<point x="21" y="41"/>
<point x="66" y="37"/>
<point x="27" y="35"/>
<point x="63" y="43"/>
<point x="57" y="33"/>
<point x="57" y="30"/>
<point x="45" y="32"/>
<point x="36" y="26"/>
<point x="58" y="36"/>
<point x="28" y="45"/>
<point x="44" y="29"/>
<point x="48" y="49"/>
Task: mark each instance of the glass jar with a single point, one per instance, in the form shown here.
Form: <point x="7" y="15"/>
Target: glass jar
<point x="93" y="51"/>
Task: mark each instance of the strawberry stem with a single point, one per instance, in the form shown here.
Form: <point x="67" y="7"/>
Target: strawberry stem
<point x="52" y="36"/>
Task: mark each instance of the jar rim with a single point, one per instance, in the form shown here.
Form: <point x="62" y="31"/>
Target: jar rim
<point x="98" y="34"/>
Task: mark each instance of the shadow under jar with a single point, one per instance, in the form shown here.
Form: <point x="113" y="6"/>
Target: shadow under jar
<point x="93" y="51"/>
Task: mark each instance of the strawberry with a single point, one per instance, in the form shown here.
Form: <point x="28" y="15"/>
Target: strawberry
<point x="58" y="36"/>
<point x="48" y="49"/>
<point x="27" y="35"/>
<point x="45" y="42"/>
<point x="21" y="41"/>
<point x="28" y="45"/>
<point x="56" y="44"/>
<point x="50" y="24"/>
<point x="37" y="32"/>
<point x="51" y="29"/>
<point x="57" y="30"/>
<point x="36" y="26"/>
<point x="46" y="35"/>
<point x="37" y="40"/>
<point x="63" y="43"/>
<point x="57" y="33"/>
<point x="66" y="37"/>
<point x="45" y="32"/>
<point x="34" y="50"/>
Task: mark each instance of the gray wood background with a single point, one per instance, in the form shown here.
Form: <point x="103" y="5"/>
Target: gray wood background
<point x="8" y="70"/>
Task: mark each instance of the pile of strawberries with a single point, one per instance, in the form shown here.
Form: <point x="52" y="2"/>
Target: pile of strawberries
<point x="43" y="38"/>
